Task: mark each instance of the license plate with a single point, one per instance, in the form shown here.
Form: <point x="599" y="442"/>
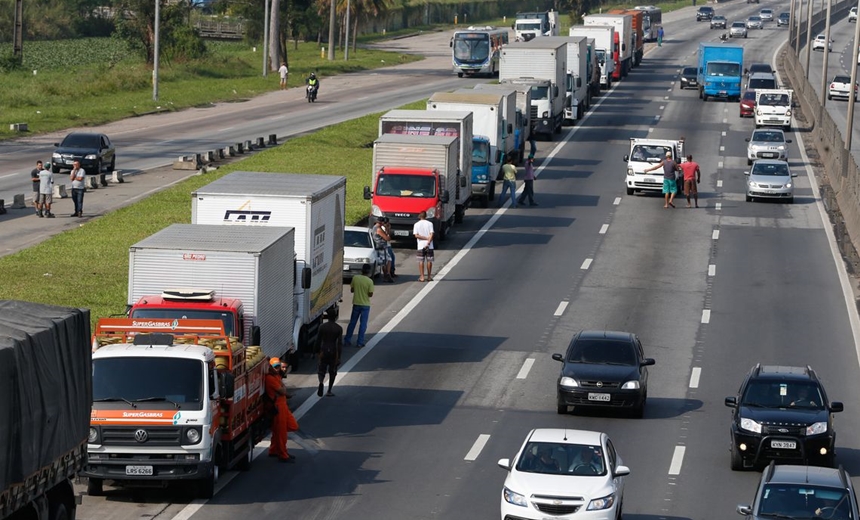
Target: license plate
<point x="651" y="179"/>
<point x="783" y="445"/>
<point x="768" y="155"/>
<point x="346" y="267"/>
<point x="723" y="93"/>
<point x="401" y="232"/>
<point x="599" y="397"/>
<point x="138" y="470"/>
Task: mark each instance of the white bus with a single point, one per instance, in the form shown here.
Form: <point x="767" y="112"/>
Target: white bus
<point x="476" y="50"/>
<point x="651" y="22"/>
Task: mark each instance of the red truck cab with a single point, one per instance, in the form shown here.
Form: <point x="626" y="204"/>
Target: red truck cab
<point x="401" y="193"/>
<point x="616" y="57"/>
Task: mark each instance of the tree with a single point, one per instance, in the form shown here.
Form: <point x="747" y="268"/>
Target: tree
<point x="135" y="23"/>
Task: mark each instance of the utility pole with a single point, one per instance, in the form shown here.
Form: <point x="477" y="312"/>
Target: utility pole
<point x="849" y="127"/>
<point x="809" y="37"/>
<point x="266" y="40"/>
<point x="18" y="29"/>
<point x="826" y="56"/>
<point x="155" y="52"/>
<point x="331" y="22"/>
<point x="346" y="49"/>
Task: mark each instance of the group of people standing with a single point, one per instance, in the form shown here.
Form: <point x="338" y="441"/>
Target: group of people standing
<point x="509" y="182"/>
<point x="678" y="176"/>
<point x="43" y="188"/>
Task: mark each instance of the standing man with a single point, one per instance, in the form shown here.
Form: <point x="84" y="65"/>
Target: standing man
<point x="669" y="185"/>
<point x="283" y="422"/>
<point x="46" y="192"/>
<point x="692" y="177"/>
<point x="509" y="182"/>
<point x="361" y="288"/>
<point x="529" y="181"/>
<point x="331" y="349"/>
<point x="386" y="223"/>
<point x="284" y="72"/>
<point x="423" y="233"/>
<point x="78" y="177"/>
<point x="660" y="36"/>
<point x="381" y="241"/>
<point x="34" y="176"/>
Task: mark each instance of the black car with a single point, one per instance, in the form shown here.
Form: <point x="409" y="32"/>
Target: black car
<point x="95" y="152"/>
<point x="783" y="19"/>
<point x="802" y="492"/>
<point x="755" y="68"/>
<point x="718" y="22"/>
<point x="704" y="13"/>
<point x="688" y="79"/>
<point x="603" y="369"/>
<point x="782" y="413"/>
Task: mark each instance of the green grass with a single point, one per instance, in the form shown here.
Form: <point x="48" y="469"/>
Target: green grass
<point x="88" y="266"/>
<point x="110" y="84"/>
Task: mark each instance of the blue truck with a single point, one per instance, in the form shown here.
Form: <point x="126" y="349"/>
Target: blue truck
<point x="720" y="71"/>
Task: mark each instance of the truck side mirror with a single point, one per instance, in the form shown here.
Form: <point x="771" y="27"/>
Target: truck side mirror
<point x="626" y="158"/>
<point x="555" y="90"/>
<point x="578" y="82"/>
<point x="306" y="278"/>
<point x="451" y="43"/>
<point x="445" y="197"/>
<point x="227" y="387"/>
<point x="510" y="128"/>
<point x="255" y="335"/>
<point x="367" y="193"/>
<point x="462" y="181"/>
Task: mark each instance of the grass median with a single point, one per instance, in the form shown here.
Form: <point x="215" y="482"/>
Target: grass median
<point x="88" y="266"/>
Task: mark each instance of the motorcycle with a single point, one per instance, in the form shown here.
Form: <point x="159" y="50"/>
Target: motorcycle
<point x="311" y="93"/>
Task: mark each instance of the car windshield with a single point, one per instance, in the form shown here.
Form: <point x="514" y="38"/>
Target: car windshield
<point x="766" y="11"/>
<point x="760" y="67"/>
<point x="689" y="71"/>
<point x="81" y="141"/>
<point x="602" y="351"/>
<point x="739" y="25"/>
<point x="356" y="239"/>
<point x="749" y="96"/>
<point x="649" y="153"/>
<point x="804" y="501"/>
<point x="755" y="18"/>
<point x="785" y="15"/>
<point x="773" y="100"/>
<point x="179" y="381"/>
<point x="556" y="458"/>
<point x="783" y="394"/>
<point x="767" y="136"/>
<point x="397" y="185"/>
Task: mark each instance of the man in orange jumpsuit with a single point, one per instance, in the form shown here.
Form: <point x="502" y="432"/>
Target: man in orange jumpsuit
<point x="283" y="422"/>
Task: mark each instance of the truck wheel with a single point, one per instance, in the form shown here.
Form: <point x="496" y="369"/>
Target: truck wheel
<point x="630" y="191"/>
<point x="459" y="74"/>
<point x="245" y="463"/>
<point x="459" y="213"/>
<point x="737" y="461"/>
<point x="206" y="487"/>
<point x="57" y="510"/>
<point x="443" y="231"/>
<point x="95" y="487"/>
<point x="704" y="97"/>
<point x="700" y="92"/>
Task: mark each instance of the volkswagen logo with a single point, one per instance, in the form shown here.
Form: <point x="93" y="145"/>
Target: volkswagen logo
<point x="783" y="430"/>
<point x="599" y="384"/>
<point x="141" y="435"/>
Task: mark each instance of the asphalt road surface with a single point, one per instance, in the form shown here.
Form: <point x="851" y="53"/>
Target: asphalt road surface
<point x="459" y="370"/>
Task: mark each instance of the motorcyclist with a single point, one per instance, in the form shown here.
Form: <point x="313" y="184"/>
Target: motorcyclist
<point x="312" y="81"/>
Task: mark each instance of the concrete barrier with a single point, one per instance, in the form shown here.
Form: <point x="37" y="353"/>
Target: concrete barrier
<point x="60" y="191"/>
<point x="220" y="153"/>
<point x="209" y="157"/>
<point x="18" y="201"/>
<point x="248" y="145"/>
<point x="103" y="179"/>
<point x="18" y="127"/>
<point x="273" y="139"/>
<point x="187" y="163"/>
<point x="116" y="177"/>
<point x="240" y="148"/>
<point x="261" y="143"/>
<point x="2" y="207"/>
<point x="92" y="182"/>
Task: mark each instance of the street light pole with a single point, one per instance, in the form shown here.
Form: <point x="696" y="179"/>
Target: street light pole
<point x="331" y="22"/>
<point x="791" y="36"/>
<point x="826" y="56"/>
<point x="266" y="39"/>
<point x="808" y="36"/>
<point x="849" y="127"/>
<point x="346" y="49"/>
<point x="155" y="51"/>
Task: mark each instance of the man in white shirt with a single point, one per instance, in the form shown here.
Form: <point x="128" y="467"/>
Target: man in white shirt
<point x="78" y="177"/>
<point x="423" y="232"/>
<point x="284" y="72"/>
<point x="46" y="192"/>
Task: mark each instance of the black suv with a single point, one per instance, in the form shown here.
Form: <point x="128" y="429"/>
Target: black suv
<point x="604" y="369"/>
<point x="704" y="13"/>
<point x="782" y="413"/>
<point x="803" y="492"/>
<point x="94" y="151"/>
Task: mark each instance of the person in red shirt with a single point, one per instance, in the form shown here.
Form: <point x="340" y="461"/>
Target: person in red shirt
<point x="283" y="422"/>
<point x="692" y="177"/>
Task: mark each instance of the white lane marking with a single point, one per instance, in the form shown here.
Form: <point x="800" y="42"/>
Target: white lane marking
<point x="586" y="264"/>
<point x="720" y="165"/>
<point x="665" y="97"/>
<point x="560" y="309"/>
<point x="694" y="377"/>
<point x="662" y="107"/>
<point x="225" y="129"/>
<point x="617" y="201"/>
<point x="11" y="175"/>
<point x="477" y="447"/>
<point x="725" y="120"/>
<point x="719" y="184"/>
<point x="718" y="206"/>
<point x="706" y="315"/>
<point x="724" y="133"/>
<point x="716" y="234"/>
<point x="657" y="118"/>
<point x="650" y="130"/>
<point x="722" y="148"/>
<point x="677" y="460"/>
<point x="524" y="371"/>
<point x="603" y="229"/>
<point x="712" y="270"/>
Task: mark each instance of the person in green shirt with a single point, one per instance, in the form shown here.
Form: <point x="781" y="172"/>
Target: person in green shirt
<point x="509" y="182"/>
<point x="361" y="288"/>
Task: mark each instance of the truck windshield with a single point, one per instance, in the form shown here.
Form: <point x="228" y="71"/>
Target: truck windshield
<point x="649" y="153"/>
<point x="601" y="56"/>
<point x="188" y="314"/>
<point x="528" y="26"/>
<point x="540" y="93"/>
<point x="471" y="47"/>
<point x="480" y="153"/>
<point x="162" y="382"/>
<point x="774" y="100"/>
<point x="396" y="185"/>
<point x="724" y="69"/>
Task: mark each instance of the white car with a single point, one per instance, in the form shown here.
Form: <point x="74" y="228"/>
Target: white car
<point x="840" y="86"/>
<point x="754" y="22"/>
<point x="819" y="43"/>
<point x="770" y="179"/>
<point x="766" y="15"/>
<point x="767" y="143"/>
<point x="738" y="30"/>
<point x="358" y="250"/>
<point x="559" y="472"/>
<point x="852" y="15"/>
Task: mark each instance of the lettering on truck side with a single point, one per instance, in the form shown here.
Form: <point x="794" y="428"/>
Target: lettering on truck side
<point x="238" y="216"/>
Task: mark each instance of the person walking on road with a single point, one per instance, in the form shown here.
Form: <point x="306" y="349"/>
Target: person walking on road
<point x="529" y="183"/>
<point x="692" y="177"/>
<point x="660" y="36"/>
<point x="283" y="422"/>
<point x="78" y="177"/>
<point x="669" y="185"/>
<point x="34" y="176"/>
<point x="284" y="73"/>
<point x="424" y="233"/>
<point x="509" y="182"/>
<point x="46" y="192"/>
<point x="361" y="288"/>
<point x="331" y="349"/>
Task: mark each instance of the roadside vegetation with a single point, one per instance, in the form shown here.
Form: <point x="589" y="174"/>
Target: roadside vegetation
<point x="100" y="282"/>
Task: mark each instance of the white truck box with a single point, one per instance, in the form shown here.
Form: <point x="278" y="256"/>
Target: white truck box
<point x="623" y="24"/>
<point x="312" y="204"/>
<point x="541" y="59"/>
<point x="773" y="107"/>
<point x="604" y="36"/>
<point x="255" y="265"/>
<point x="508" y="97"/>
<point x="523" y="96"/>
<point x="576" y="84"/>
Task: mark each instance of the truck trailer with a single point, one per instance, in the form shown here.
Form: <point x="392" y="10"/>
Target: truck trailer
<point x="604" y="45"/>
<point x="543" y="62"/>
<point x="624" y="39"/>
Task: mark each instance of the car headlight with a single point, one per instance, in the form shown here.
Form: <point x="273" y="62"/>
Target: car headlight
<point x="788" y="185"/>
<point x="815" y="429"/>
<point x="758" y="112"/>
<point x="781" y="147"/>
<point x="750" y="426"/>
<point x="431" y="212"/>
<point x="788" y="112"/>
<point x="568" y="382"/>
<point x="753" y="185"/>
<point x="56" y="155"/>
<point x="599" y="504"/>
<point x="629" y="171"/>
<point x="375" y="211"/>
<point x="192" y="435"/>
<point x="93" y="435"/>
<point x="630" y="385"/>
<point x="514" y="498"/>
<point x="362" y="260"/>
<point x="91" y="157"/>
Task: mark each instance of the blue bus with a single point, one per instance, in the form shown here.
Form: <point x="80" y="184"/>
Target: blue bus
<point x="476" y="50"/>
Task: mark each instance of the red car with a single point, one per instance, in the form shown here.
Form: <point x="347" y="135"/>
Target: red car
<point x="748" y="104"/>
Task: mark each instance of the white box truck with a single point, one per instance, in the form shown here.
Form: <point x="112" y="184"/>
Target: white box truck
<point x="254" y="265"/>
<point x="415" y="173"/>
<point x="576" y="86"/>
<point x="604" y="37"/>
<point x="508" y="97"/>
<point x="312" y="204"/>
<point x="522" y="125"/>
<point x="624" y="37"/>
<point x="531" y="25"/>
<point x="543" y="61"/>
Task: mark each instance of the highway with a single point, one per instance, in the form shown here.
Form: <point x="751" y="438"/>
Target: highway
<point x="459" y="370"/>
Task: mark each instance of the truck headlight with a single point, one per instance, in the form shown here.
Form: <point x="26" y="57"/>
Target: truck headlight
<point x="750" y="426"/>
<point x="375" y="211"/>
<point x="568" y="382"/>
<point x="192" y="436"/>
<point x="93" y="436"/>
<point x="599" y="504"/>
<point x="545" y="114"/>
<point x="514" y="498"/>
<point x="815" y="429"/>
<point x="431" y="212"/>
<point x="630" y="171"/>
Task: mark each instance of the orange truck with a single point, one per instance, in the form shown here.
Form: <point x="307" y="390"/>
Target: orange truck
<point x="173" y="400"/>
<point x="638" y="33"/>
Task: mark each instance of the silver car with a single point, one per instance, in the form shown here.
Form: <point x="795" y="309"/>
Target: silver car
<point x="754" y="22"/>
<point x="767" y="143"/>
<point x="738" y="30"/>
<point x="770" y="179"/>
<point x="766" y="15"/>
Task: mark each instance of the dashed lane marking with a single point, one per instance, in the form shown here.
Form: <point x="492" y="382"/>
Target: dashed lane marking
<point x="586" y="264"/>
<point x="712" y="270"/>
<point x="718" y="206"/>
<point x="524" y="371"/>
<point x="706" y="315"/>
<point x="719" y="184"/>
<point x="617" y="201"/>
<point x="477" y="447"/>
<point x="716" y="234"/>
<point x="677" y="460"/>
<point x="694" y="377"/>
<point x="560" y="309"/>
<point x="603" y="229"/>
